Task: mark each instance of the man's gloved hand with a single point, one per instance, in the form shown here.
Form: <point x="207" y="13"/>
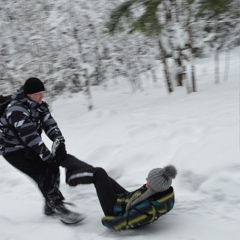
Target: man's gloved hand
<point x="59" y="152"/>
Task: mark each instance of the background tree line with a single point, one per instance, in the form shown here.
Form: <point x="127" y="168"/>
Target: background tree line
<point x="75" y="44"/>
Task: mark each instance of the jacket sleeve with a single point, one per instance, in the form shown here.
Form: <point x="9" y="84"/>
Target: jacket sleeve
<point x="1" y="143"/>
<point x="20" y="120"/>
<point x="49" y="124"/>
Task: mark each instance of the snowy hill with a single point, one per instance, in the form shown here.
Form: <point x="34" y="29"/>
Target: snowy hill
<point x="129" y="134"/>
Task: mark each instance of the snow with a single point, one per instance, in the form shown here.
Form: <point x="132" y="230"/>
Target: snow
<point x="128" y="135"/>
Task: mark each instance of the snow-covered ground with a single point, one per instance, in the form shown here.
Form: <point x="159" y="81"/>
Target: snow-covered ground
<point x="129" y="134"/>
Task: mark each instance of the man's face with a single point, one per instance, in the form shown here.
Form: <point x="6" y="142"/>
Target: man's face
<point x="37" y="97"/>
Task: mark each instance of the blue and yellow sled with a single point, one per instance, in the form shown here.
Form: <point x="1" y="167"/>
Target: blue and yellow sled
<point x="144" y="213"/>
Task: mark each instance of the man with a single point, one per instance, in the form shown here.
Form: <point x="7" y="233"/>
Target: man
<point x="21" y="126"/>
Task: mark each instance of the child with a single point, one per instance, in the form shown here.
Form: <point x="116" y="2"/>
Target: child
<point x="125" y="209"/>
<point x="146" y="204"/>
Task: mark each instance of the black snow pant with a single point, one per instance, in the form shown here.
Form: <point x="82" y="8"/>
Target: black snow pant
<point x="44" y="174"/>
<point x="79" y="172"/>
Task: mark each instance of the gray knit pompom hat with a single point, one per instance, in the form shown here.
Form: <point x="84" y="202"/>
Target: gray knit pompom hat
<point x="160" y="179"/>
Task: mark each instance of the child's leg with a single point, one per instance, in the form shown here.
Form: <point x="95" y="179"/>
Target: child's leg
<point x="79" y="172"/>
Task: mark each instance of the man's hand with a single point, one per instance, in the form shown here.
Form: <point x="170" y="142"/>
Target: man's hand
<point x="59" y="152"/>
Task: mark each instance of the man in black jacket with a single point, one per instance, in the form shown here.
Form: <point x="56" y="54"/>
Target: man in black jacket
<point x="20" y="128"/>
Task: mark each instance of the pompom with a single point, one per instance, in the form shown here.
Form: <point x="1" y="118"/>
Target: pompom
<point x="170" y="171"/>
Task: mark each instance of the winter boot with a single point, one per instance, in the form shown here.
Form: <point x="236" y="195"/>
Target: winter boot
<point x="65" y="215"/>
<point x="48" y="211"/>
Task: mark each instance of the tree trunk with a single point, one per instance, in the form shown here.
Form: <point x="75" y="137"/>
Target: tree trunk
<point x="181" y="70"/>
<point x="87" y="80"/>
<point x="100" y="67"/>
<point x="89" y="94"/>
<point x="129" y="75"/>
<point x="154" y="77"/>
<point x="166" y="70"/>
<point x="194" y="89"/>
<point x="216" y="58"/>
<point x="191" y="47"/>
<point x="226" y="70"/>
<point x="193" y="78"/>
<point x="130" y="69"/>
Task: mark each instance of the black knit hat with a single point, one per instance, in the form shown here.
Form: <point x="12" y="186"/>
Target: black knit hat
<point x="33" y="85"/>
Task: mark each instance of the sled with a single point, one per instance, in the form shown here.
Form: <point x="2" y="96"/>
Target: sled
<point x="144" y="213"/>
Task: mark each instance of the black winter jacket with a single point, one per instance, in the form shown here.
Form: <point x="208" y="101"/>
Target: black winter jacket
<point x="22" y="123"/>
